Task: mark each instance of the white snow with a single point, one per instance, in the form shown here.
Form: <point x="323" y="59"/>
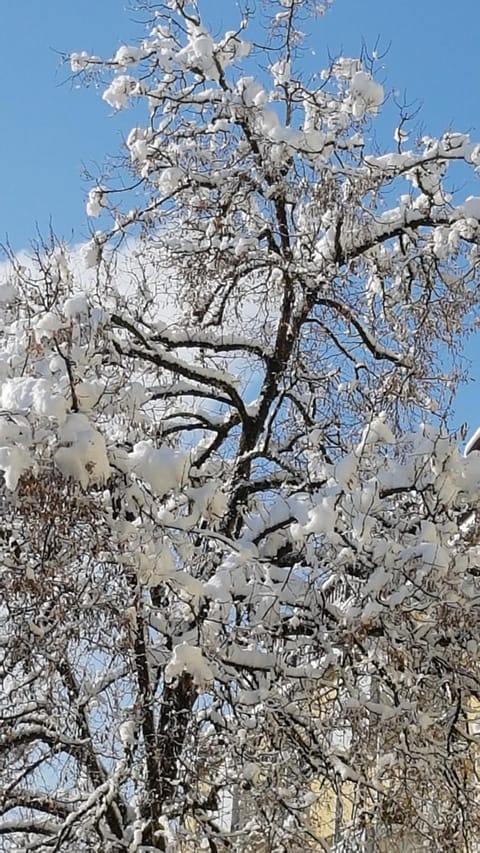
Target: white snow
<point x="156" y="565"/>
<point x="46" y="325"/>
<point x="13" y="462"/>
<point x="346" y="472"/>
<point x="29" y="395"/>
<point x="375" y="432"/>
<point x="470" y="207"/>
<point x="186" y="658"/>
<point x="82" y="454"/>
<point x="117" y="94"/>
<point x="367" y="95"/>
<point x="88" y="394"/>
<point x="76" y="306"/>
<point x="169" y="180"/>
<point x="321" y="519"/>
<point x="281" y="72"/>
<point x="163" y="468"/>
<point x="128" y="55"/>
<point x="126" y="733"/>
<point x="95" y="202"/>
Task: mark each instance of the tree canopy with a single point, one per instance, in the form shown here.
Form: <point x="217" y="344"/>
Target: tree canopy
<point x="239" y="557"/>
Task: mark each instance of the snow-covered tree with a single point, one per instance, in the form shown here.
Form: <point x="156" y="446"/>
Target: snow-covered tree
<point x="239" y="560"/>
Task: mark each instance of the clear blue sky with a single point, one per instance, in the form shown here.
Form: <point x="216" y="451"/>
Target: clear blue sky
<point x="50" y="129"/>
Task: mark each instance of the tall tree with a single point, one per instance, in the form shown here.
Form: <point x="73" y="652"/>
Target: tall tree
<point x="238" y="550"/>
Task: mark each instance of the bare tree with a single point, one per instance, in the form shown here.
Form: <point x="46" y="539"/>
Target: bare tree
<point x="239" y="607"/>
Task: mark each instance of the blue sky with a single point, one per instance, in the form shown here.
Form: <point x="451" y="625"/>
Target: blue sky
<point x="52" y="130"/>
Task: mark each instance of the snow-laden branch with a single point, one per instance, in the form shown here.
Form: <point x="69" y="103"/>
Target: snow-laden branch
<point x="239" y="548"/>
